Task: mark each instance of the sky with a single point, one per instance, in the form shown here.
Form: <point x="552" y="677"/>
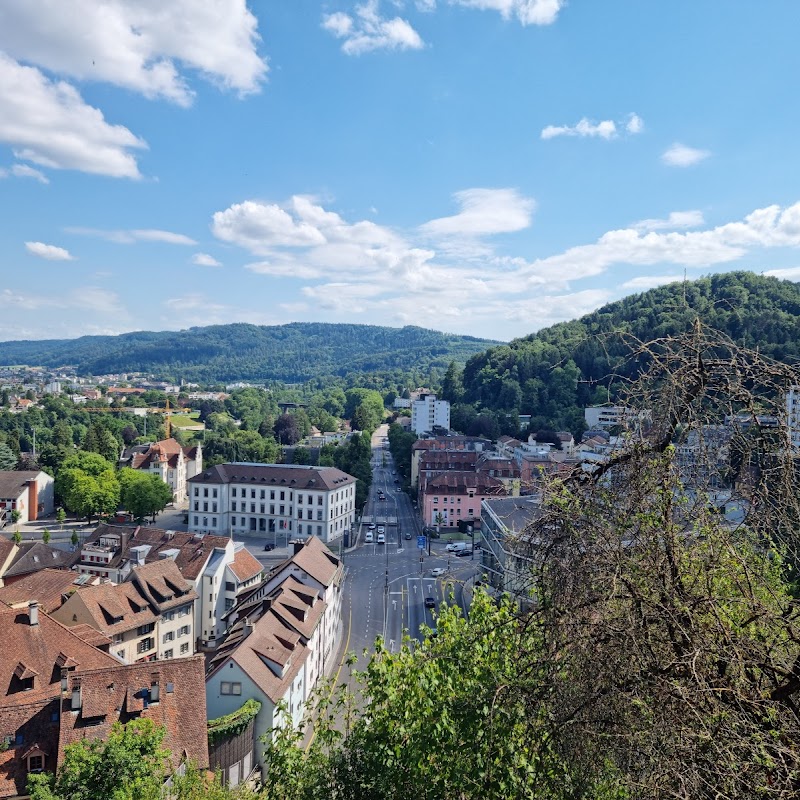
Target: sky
<point x="483" y="167"/>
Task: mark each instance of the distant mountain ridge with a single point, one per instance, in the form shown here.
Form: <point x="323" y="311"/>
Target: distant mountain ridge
<point x="293" y="353"/>
<point x="555" y="373"/>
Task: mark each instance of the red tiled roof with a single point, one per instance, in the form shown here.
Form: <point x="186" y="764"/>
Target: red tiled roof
<point x="245" y="565"/>
<point x="46" y="586"/>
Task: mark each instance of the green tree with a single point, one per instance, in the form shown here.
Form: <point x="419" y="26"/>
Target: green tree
<point x="61" y="515"/>
<point x="142" y="494"/>
<point x="74" y="539"/>
<point x="87" y="485"/>
<point x="15" y="515"/>
<point x="131" y="764"/>
<point x="16" y="537"/>
<point x="46" y="536"/>
<point x="8" y="461"/>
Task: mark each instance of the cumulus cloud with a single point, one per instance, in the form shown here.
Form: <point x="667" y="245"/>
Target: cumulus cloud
<point x="205" y="260"/>
<point x="605" y="129"/>
<point x="785" y="274"/>
<point x="49" y="251"/>
<point x="528" y="12"/>
<point x="367" y="31"/>
<point x="642" y="283"/>
<point x="131" y="236"/>
<point x="49" y="124"/>
<point x="676" y="220"/>
<point x="679" y="155"/>
<point x="635" y="124"/>
<point x="137" y="44"/>
<point x="484" y="212"/>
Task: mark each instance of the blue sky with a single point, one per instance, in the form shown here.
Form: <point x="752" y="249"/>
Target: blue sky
<point x="486" y="167"/>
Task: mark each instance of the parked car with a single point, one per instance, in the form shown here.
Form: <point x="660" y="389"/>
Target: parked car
<point x="430" y="602"/>
<point x="407" y="536"/>
<point x="368" y="537"/>
<point x="381" y="529"/>
<point x="269" y="546"/>
<point x="371" y="526"/>
<point x="381" y="538"/>
<point x="437" y="572"/>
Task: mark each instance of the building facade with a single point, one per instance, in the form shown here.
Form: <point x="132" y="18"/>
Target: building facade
<point x="281" y="501"/>
<point x="428" y="413"/>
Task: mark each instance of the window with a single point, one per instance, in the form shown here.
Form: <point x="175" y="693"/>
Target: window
<point x="143" y="629"/>
<point x="263" y="494"/>
<point x="196" y="492"/>
<point x="233" y="492"/>
<point x="319" y="500"/>
<point x="233" y="506"/>
<point x="184" y="648"/>
<point x="168" y="653"/>
<point x="205" y="492"/>
<point x="252" y="494"/>
<point x="272" y="495"/>
<point x="227" y="687"/>
<point x="196" y="519"/>
<point x="229" y="603"/>
<point x="319" y="530"/>
<point x="252" y="508"/>
<point x="300" y="499"/>
<point x="282" y="509"/>
<point x="283" y="495"/>
<point x="35" y="763"/>
<point x="230" y="586"/>
<point x="205" y="506"/>
<point x="169" y="636"/>
<point x="233" y="521"/>
<point x="214" y="493"/>
<point x="184" y="610"/>
<point x="117" y="638"/>
<point x="145" y="645"/>
<point x="196" y="505"/>
<point x="184" y="630"/>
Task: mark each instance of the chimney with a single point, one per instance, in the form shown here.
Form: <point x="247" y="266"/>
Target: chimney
<point x="247" y="628"/>
<point x="33" y="613"/>
<point x="298" y="545"/>
<point x="33" y="499"/>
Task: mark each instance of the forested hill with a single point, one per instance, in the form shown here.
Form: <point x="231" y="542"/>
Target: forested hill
<point x="555" y="373"/>
<point x="293" y="353"/>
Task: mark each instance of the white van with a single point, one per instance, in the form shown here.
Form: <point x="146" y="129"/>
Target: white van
<point x="456" y="547"/>
<point x="368" y="537"/>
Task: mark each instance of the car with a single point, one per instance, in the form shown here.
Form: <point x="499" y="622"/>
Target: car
<point x="269" y="546"/>
<point x="381" y="529"/>
<point x="452" y="547"/>
<point x="430" y="602"/>
<point x="368" y="537"/>
<point x="397" y="480"/>
<point x="407" y="536"/>
<point x="371" y="526"/>
<point x="438" y="571"/>
<point x="381" y="538"/>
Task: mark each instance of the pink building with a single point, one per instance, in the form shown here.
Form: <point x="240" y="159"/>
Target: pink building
<point x="453" y="496"/>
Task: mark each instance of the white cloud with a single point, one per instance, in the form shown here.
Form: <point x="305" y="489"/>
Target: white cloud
<point x="48" y="251"/>
<point x="606" y="129"/>
<point x="786" y="274"/>
<point x="49" y="124"/>
<point x="528" y="12"/>
<point x="205" y="260"/>
<point x="676" y="219"/>
<point x="260" y="226"/>
<point x="425" y="6"/>
<point x="131" y="236"/>
<point x="635" y="124"/>
<point x="368" y="31"/>
<point x="644" y="282"/>
<point x="184" y="311"/>
<point x="679" y="155"/>
<point x="137" y="44"/>
<point x="484" y="212"/>
<point x="24" y="171"/>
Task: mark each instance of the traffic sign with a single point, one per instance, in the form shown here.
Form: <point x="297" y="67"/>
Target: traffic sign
<point x="421" y="542"/>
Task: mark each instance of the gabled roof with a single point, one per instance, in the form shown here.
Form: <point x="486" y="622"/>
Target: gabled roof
<point x="162" y="584"/>
<point x="124" y="692"/>
<point x="461" y="482"/>
<point x="273" y="639"/>
<point x="245" y="565"/>
<point x="289" y="476"/>
<point x="35" y="556"/>
<point x="314" y="558"/>
<point x="39" y="648"/>
<point x="46" y="586"/>
<point x="114" y="608"/>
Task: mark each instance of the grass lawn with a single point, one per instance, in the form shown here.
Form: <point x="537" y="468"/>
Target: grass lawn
<point x="185" y="420"/>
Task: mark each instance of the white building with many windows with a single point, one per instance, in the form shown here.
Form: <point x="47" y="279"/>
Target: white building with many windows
<point x="281" y="501"/>
<point x="428" y="413"/>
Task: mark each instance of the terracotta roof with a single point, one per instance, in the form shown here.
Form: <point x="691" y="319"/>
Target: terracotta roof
<point x="14" y="482"/>
<point x="123" y="692"/>
<point x="46" y="586"/>
<point x="35" y="556"/>
<point x="276" y="641"/>
<point x="194" y="549"/>
<point x="294" y="476"/>
<point x="114" y="608"/>
<point x="315" y="559"/>
<point x="38" y="648"/>
<point x="162" y="584"/>
<point x="460" y="482"/>
<point x="245" y="565"/>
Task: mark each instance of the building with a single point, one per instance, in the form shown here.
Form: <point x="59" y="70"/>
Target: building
<point x="149" y="616"/>
<point x="281" y="640"/>
<point x="281" y="501"/>
<point x="428" y="413"/>
<point x="170" y="693"/>
<point x="40" y="655"/>
<point x="217" y="568"/>
<point x="174" y="464"/>
<point x="28" y="492"/>
<point x="422" y="448"/>
<point x="507" y="547"/>
<point x="49" y="587"/>
<point x="456" y="496"/>
<point x="30" y="557"/>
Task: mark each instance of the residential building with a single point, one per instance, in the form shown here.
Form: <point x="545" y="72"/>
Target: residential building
<point x="49" y="587"/>
<point x="170" y="693"/>
<point x="30" y="557"/>
<point x="174" y="464"/>
<point x="41" y="654"/>
<point x="149" y="616"/>
<point x="271" y="655"/>
<point x="29" y="492"/>
<point x="425" y="445"/>
<point x="217" y="567"/>
<point x="277" y="500"/>
<point x="428" y="413"/>
<point x="456" y="496"/>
